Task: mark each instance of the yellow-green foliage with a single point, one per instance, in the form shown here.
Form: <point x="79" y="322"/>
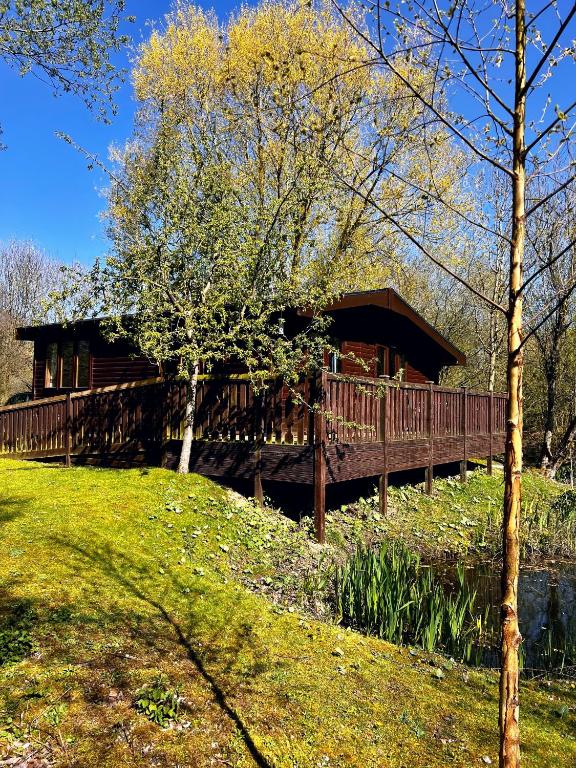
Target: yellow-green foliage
<point x="126" y="577"/>
<point x="293" y="100"/>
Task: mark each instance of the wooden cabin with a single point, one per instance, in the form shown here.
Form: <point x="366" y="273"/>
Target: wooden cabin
<point x="376" y="407"/>
<point x="376" y="332"/>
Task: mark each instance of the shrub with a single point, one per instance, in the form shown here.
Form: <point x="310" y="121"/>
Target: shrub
<point x="16" y="641"/>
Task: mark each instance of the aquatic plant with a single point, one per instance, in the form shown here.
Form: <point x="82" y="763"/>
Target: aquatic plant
<point x="389" y="593"/>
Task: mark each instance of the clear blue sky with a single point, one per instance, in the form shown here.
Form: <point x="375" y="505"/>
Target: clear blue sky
<point x="46" y="192"/>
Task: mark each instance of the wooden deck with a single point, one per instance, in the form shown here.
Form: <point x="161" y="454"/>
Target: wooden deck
<point x="329" y="430"/>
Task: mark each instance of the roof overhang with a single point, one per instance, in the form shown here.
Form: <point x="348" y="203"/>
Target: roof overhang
<point x="387" y="298"/>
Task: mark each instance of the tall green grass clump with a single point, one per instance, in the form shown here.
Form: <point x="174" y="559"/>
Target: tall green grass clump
<point x="390" y="594"/>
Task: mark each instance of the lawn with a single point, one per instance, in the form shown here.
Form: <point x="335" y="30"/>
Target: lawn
<point x="112" y="579"/>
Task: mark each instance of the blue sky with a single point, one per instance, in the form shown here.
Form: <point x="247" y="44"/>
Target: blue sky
<point x="46" y="192"/>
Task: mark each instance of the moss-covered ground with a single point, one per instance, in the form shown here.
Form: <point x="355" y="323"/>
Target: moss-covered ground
<point x="112" y="578"/>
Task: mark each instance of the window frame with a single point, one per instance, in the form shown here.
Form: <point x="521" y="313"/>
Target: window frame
<point x="58" y="375"/>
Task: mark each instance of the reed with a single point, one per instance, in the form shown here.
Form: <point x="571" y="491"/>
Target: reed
<point x="389" y="593"/>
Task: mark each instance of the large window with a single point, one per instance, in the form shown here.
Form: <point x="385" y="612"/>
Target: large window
<point x="68" y="365"/>
<point x="83" y="364"/>
<point x="52" y="365"/>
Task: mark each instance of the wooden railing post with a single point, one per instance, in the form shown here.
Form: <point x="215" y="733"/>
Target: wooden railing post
<point x="490" y="432"/>
<point x="320" y="457"/>
<point x="68" y="430"/>
<point x="464" y="462"/>
<point x="430" y="423"/>
<point x="383" y="482"/>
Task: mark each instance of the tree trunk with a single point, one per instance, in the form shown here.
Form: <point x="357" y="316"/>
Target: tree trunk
<point x="511" y="638"/>
<point x="551" y="355"/>
<point x="189" y="414"/>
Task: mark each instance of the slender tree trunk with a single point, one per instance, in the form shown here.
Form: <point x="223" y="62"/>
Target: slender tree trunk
<point x="511" y="637"/>
<point x="189" y="414"/>
<point x="493" y="353"/>
<point x="494" y="346"/>
<point x="546" y="455"/>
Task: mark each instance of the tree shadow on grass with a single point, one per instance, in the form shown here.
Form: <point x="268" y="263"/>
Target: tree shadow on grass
<point x="115" y="565"/>
<point x="10" y="508"/>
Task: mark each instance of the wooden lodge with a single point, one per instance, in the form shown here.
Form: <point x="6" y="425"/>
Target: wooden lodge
<point x="375" y="408"/>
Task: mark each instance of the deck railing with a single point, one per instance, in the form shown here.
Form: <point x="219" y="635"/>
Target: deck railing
<point x="359" y="410"/>
<point x="145" y="414"/>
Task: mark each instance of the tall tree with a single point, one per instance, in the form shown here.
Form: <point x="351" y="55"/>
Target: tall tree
<point x="27" y="276"/>
<point x="66" y="44"/>
<point x="223" y="210"/>
<point x="487" y="65"/>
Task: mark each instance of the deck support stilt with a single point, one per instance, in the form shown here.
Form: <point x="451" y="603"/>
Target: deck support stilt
<point x="464" y="462"/>
<point x="258" y="491"/>
<point x="68" y="434"/>
<point x="383" y="494"/>
<point x="383" y="482"/>
<point x="429" y="480"/>
<point x="320" y="459"/>
<point x="259" y="430"/>
<point x="489" y="469"/>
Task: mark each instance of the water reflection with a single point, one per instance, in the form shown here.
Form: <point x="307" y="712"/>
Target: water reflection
<point x="547" y="612"/>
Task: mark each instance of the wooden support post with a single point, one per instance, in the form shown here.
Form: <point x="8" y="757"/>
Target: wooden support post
<point x="259" y="440"/>
<point x="383" y="482"/>
<point x="464" y="462"/>
<point x="489" y="468"/>
<point x="430" y="419"/>
<point x="320" y="458"/>
<point x="68" y="430"/>
<point x="383" y="493"/>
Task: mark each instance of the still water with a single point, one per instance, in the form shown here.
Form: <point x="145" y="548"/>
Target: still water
<point x="547" y="612"/>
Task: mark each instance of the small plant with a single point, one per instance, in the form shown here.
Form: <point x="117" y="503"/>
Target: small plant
<point x="414" y="725"/>
<point x="15" y="635"/>
<point x="158" y="702"/>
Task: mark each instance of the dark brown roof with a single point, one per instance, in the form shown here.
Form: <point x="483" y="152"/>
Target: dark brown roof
<point x="385" y="298"/>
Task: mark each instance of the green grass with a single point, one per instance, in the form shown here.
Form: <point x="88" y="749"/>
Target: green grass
<point x="463" y="518"/>
<point x="116" y="579"/>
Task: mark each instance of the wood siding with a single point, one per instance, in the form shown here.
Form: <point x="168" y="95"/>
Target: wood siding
<point x="368" y="355"/>
<point x="111" y="364"/>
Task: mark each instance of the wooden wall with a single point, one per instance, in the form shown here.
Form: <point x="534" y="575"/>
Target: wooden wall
<point x="110" y="364"/>
<point x="367" y="353"/>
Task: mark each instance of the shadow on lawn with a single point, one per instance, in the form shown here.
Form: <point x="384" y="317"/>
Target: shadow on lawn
<point x="9" y="509"/>
<point x="116" y="565"/>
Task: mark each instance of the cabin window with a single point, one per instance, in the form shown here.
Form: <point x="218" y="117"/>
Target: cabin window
<point x="333" y="362"/>
<point x="397" y="364"/>
<point x="402" y="365"/>
<point x="52" y="365"/>
<point x="380" y="361"/>
<point x="83" y="367"/>
<point x="68" y="364"/>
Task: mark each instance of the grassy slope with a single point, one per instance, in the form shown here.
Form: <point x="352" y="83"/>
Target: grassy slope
<point x="128" y="575"/>
<point x="461" y="518"/>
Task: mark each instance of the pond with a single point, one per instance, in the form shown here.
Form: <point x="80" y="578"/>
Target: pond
<point x="546" y="609"/>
